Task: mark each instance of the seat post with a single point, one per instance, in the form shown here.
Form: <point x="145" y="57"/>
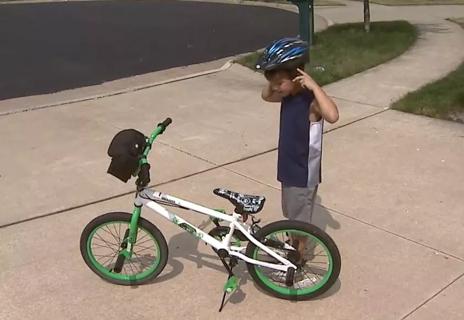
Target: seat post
<point x="231" y="232"/>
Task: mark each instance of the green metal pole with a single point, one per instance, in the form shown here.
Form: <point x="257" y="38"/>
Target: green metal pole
<point x="306" y="19"/>
<point x="311" y="33"/>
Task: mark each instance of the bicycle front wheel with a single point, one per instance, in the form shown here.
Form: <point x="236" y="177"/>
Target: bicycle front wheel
<point x="103" y="239"/>
<point x="312" y="250"/>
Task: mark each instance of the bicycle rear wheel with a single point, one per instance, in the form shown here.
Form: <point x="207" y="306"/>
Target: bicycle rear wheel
<point x="318" y="265"/>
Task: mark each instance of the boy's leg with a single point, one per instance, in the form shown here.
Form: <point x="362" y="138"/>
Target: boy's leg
<point x="312" y="200"/>
<point x="298" y="204"/>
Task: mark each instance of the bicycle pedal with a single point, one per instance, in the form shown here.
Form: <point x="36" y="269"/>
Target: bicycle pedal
<point x="290" y="277"/>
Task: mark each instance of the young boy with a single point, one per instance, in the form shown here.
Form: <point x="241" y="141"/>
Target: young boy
<point x="304" y="107"/>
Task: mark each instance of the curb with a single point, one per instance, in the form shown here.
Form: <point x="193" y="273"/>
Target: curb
<point x="226" y="66"/>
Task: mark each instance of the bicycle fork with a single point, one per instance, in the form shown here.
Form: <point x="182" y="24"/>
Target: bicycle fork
<point x="130" y="236"/>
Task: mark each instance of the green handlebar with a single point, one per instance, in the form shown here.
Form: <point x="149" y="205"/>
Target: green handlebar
<point x="159" y="130"/>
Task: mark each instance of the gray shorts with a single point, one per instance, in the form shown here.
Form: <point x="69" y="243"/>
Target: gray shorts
<point x="298" y="203"/>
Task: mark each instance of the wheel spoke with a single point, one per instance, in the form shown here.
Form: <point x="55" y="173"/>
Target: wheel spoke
<point x="104" y="256"/>
<point x="308" y="276"/>
<point x="282" y="237"/>
<point x="105" y="241"/>
<point x="139" y="243"/>
<point x="146" y="234"/>
<point x="318" y="262"/>
<point x="101" y="246"/>
<point x="117" y="235"/>
<point x="108" y="232"/>
<point x="140" y="259"/>
<point x="111" y="233"/>
<point x="130" y="265"/>
<point x="106" y="262"/>
<point x="145" y="248"/>
<point x="312" y="271"/>
<point x="318" y="253"/>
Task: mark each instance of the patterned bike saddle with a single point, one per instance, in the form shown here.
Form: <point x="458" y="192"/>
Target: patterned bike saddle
<point x="244" y="203"/>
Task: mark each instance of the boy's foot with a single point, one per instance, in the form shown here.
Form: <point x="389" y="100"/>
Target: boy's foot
<point x="307" y="256"/>
<point x="301" y="280"/>
<point x="304" y="282"/>
<point x="278" y="276"/>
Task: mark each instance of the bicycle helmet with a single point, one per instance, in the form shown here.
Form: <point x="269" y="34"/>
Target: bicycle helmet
<point x="284" y="53"/>
<point x="125" y="151"/>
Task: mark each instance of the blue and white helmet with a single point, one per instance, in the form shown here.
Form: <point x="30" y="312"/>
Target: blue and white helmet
<point x="284" y="53"/>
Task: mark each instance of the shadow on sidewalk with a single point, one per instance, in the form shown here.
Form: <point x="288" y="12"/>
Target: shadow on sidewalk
<point x="184" y="246"/>
<point x="432" y="27"/>
<point x="322" y="218"/>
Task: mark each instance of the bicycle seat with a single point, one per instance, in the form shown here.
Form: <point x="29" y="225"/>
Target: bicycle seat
<point x="244" y="203"/>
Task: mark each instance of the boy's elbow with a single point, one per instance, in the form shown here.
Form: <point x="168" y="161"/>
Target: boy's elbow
<point x="264" y="96"/>
<point x="332" y="118"/>
<point x="333" y="115"/>
<point x="270" y="98"/>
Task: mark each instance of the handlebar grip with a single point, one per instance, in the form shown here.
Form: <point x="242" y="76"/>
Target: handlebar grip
<point x="166" y="122"/>
<point x="164" y="125"/>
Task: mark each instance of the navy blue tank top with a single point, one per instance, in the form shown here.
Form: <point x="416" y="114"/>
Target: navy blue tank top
<point x="293" y="152"/>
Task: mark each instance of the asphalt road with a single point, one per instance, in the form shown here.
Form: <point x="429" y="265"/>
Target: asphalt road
<point x="49" y="47"/>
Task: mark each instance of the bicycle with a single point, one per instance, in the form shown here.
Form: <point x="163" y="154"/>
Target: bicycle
<point x="126" y="249"/>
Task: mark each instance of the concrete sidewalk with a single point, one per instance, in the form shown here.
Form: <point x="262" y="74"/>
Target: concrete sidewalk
<point x="391" y="197"/>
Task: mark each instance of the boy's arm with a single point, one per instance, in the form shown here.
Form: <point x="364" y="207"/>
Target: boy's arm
<point x="270" y="95"/>
<point x="314" y="112"/>
<point x="325" y="106"/>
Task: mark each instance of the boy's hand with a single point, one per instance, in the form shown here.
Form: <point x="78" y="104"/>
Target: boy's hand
<point x="327" y="108"/>
<point x="305" y="80"/>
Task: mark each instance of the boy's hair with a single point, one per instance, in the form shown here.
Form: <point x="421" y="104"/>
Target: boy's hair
<point x="290" y="72"/>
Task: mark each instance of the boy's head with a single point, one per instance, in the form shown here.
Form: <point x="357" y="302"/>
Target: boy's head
<point x="279" y="62"/>
<point x="281" y="80"/>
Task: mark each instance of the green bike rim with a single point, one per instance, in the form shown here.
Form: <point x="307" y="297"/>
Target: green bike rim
<point x="117" y="276"/>
<point x="290" y="291"/>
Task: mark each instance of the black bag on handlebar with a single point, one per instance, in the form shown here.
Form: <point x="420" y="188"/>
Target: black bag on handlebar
<point x="125" y="151"/>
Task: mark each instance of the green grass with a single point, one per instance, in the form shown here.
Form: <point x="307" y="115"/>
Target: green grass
<point x="415" y="2"/>
<point x="344" y="50"/>
<point x="443" y="99"/>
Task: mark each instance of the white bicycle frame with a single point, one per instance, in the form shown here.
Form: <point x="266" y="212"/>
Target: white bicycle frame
<point x="149" y="199"/>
